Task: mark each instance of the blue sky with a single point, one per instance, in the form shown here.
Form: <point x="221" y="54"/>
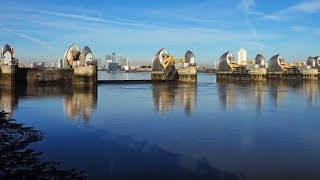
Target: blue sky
<point x="42" y="30"/>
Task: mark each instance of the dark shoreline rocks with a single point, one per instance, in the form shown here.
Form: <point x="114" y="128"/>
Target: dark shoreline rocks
<point x="18" y="161"/>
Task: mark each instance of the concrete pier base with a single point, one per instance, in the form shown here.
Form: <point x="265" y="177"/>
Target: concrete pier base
<point x="8" y="75"/>
<point x="281" y="75"/>
<point x="85" y="75"/>
<point x="310" y="74"/>
<point x="188" y="74"/>
<point x="157" y="75"/>
<point x="11" y="75"/>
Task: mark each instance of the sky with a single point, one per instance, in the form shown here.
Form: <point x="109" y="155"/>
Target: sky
<point x="137" y="29"/>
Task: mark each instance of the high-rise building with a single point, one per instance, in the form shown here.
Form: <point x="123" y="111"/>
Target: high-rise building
<point x="114" y="58"/>
<point x="242" y="56"/>
<point x="108" y="57"/>
<point x="99" y="63"/>
<point x="60" y="64"/>
<point x="122" y="61"/>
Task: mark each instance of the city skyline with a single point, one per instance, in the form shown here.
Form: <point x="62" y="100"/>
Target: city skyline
<point x="41" y="31"/>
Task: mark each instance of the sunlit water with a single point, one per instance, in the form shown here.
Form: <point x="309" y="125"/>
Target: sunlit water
<point x="249" y="130"/>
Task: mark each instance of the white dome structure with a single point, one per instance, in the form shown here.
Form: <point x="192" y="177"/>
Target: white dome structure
<point x="158" y="59"/>
<point x="190" y="58"/>
<point x="224" y="62"/>
<point x="275" y="63"/>
<point x="7" y="55"/>
<point x="313" y="62"/>
<point x="87" y="56"/>
<point x="72" y="56"/>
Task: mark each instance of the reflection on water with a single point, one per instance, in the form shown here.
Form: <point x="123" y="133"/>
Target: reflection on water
<point x="78" y="101"/>
<point x="245" y="93"/>
<point x="256" y="129"/>
<point x="121" y="75"/>
<point x="167" y="95"/>
<point x="8" y="102"/>
<point x="256" y="93"/>
<point x="81" y="102"/>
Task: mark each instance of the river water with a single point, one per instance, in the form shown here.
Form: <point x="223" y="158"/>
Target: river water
<point x="211" y="130"/>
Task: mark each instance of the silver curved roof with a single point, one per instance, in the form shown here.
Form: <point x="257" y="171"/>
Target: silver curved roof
<point x="259" y="59"/>
<point x="5" y="48"/>
<point x="86" y="50"/>
<point x="224" y="61"/>
<point x="274" y="64"/>
<point x="156" y="64"/>
<point x="313" y="62"/>
<point x="73" y="48"/>
<point x="189" y="57"/>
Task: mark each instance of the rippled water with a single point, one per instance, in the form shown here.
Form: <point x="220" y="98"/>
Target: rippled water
<point x="209" y="130"/>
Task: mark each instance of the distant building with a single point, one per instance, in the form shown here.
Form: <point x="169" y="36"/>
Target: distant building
<point x="122" y="62"/>
<point x="99" y="63"/>
<point x="114" y="58"/>
<point x="37" y="65"/>
<point x="113" y="66"/>
<point x="59" y="64"/>
<point x="108" y="57"/>
<point x="242" y="57"/>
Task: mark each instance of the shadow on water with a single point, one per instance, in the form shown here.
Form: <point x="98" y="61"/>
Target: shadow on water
<point x="167" y="95"/>
<point x="17" y="161"/>
<point x="129" y="158"/>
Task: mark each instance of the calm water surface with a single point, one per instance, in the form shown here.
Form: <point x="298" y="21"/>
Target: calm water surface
<point x="209" y="130"/>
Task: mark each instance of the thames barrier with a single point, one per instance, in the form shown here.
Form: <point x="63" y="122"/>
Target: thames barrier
<point x="275" y="68"/>
<point x="79" y="68"/>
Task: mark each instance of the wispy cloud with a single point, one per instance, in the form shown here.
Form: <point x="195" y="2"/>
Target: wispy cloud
<point x="304" y="7"/>
<point x="246" y="5"/>
<point x="304" y="29"/>
<point x="26" y="37"/>
<point x="311" y="6"/>
<point x="274" y="17"/>
<point x="86" y="18"/>
<point x="298" y="29"/>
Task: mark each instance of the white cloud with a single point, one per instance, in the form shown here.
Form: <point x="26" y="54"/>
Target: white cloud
<point x="298" y="29"/>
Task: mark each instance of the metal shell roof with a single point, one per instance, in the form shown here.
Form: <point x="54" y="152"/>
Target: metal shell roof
<point x="73" y="48"/>
<point x="86" y="50"/>
<point x="5" y="48"/>
<point x="259" y="59"/>
<point x="156" y="64"/>
<point x="313" y="62"/>
<point x="224" y="61"/>
<point x="189" y="57"/>
<point x="274" y="64"/>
